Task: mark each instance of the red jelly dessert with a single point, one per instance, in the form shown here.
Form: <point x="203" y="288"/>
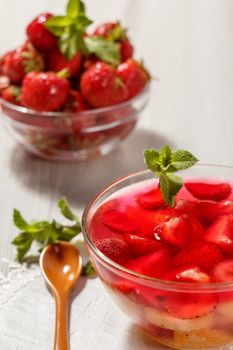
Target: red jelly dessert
<point x="169" y="265"/>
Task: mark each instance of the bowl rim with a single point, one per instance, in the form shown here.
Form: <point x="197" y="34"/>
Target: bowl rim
<point x="33" y="113"/>
<point x="140" y="278"/>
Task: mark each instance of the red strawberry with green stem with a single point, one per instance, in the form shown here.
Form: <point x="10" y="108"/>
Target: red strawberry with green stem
<point x="101" y="86"/>
<point x="113" y="31"/>
<point x="39" y="35"/>
<point x="12" y="94"/>
<point x="134" y="75"/>
<point x="76" y="102"/>
<point x="56" y="61"/>
<point x="44" y="91"/>
<point x="17" y="63"/>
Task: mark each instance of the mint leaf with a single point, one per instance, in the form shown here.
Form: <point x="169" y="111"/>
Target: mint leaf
<point x="183" y="159"/>
<point x="165" y="157"/>
<point x="73" y="8"/>
<point x="66" y="210"/>
<point x="23" y="242"/>
<point x="104" y="49"/>
<point x="19" y="220"/>
<point x="151" y="158"/>
<point x="164" y="163"/>
<point x="70" y="29"/>
<point x="88" y="269"/>
<point x="44" y="232"/>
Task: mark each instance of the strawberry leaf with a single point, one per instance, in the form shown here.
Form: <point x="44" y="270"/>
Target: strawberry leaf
<point x="164" y="163"/>
<point x="104" y="49"/>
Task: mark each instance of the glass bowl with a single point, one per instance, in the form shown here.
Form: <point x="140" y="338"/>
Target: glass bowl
<point x="68" y="136"/>
<point x="141" y="297"/>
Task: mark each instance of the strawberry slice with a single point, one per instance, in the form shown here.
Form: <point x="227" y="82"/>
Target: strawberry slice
<point x="142" y="245"/>
<point x="179" y="231"/>
<point x="204" y="255"/>
<point x="115" y="249"/>
<point x="173" y="231"/>
<point x="190" y="274"/>
<point x="184" y="206"/>
<point x="221" y="233"/>
<point x="209" y="211"/>
<point x="119" y="222"/>
<point x="190" y="305"/>
<point x="223" y="272"/>
<point x="147" y="220"/>
<point x="151" y="199"/>
<point x="152" y="265"/>
<point x="207" y="191"/>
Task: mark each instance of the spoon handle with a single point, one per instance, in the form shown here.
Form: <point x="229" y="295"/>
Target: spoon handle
<point x="61" y="341"/>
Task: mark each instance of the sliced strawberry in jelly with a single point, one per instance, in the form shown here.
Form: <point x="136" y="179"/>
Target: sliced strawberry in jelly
<point x="184" y="206"/>
<point x="151" y="199"/>
<point x="142" y="245"/>
<point x="180" y="231"/>
<point x="152" y="265"/>
<point x="119" y="222"/>
<point x="223" y="272"/>
<point x="115" y="249"/>
<point x="210" y="211"/>
<point x="173" y="231"/>
<point x="191" y="274"/>
<point x="147" y="220"/>
<point x="221" y="233"/>
<point x="208" y="191"/>
<point x="205" y="255"/>
<point x="131" y="290"/>
<point x="190" y="305"/>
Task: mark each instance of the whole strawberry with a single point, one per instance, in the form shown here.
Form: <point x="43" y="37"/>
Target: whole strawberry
<point x="101" y="86"/>
<point x="114" y="31"/>
<point x="56" y="61"/>
<point x="39" y="35"/>
<point x="16" y="63"/>
<point x="76" y="102"/>
<point x="133" y="75"/>
<point x="12" y="94"/>
<point x="44" y="91"/>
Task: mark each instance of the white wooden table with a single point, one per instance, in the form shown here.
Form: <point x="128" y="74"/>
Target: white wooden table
<point x="186" y="44"/>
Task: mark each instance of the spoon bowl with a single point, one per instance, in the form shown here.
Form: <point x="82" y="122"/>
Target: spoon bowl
<point x="61" y="265"/>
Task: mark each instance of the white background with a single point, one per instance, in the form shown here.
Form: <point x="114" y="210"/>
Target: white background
<point x="188" y="45"/>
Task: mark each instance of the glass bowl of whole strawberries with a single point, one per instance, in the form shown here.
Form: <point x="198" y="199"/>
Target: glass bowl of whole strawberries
<point x="168" y="262"/>
<point x="68" y="93"/>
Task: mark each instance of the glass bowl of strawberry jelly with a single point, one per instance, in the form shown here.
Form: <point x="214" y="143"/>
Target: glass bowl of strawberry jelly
<point x="169" y="269"/>
<point x="67" y="136"/>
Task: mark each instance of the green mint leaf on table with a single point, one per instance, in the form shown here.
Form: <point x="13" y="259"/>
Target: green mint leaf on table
<point x="70" y="29"/>
<point x="164" y="163"/>
<point x="88" y="269"/>
<point x="104" y="49"/>
<point x="45" y="233"/>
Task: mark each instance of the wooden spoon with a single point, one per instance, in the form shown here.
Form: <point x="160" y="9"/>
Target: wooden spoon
<point x="61" y="265"/>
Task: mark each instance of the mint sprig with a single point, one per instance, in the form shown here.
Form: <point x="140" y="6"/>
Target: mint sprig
<point x="45" y="233"/>
<point x="70" y="28"/>
<point x="104" y="49"/>
<point x="164" y="163"/>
